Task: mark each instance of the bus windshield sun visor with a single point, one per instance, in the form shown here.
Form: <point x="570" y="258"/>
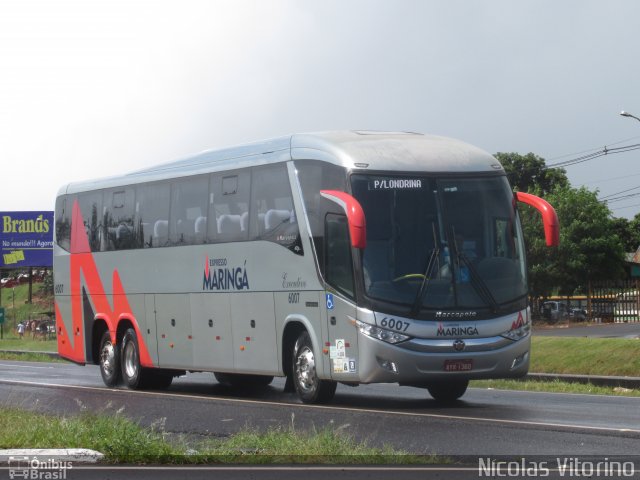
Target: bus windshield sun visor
<point x="549" y="217"/>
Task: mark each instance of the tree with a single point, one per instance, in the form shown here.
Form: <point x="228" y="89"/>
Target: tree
<point x="628" y="231"/>
<point x="529" y="173"/>
<point x="590" y="248"/>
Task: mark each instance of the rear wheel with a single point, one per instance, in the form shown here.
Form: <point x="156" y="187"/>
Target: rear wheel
<point x="131" y="369"/>
<point x="133" y="374"/>
<point x="310" y="388"/>
<point x="109" y="361"/>
<point x="447" y="392"/>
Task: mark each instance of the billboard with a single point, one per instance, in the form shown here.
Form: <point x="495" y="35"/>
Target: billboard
<point x="26" y="239"/>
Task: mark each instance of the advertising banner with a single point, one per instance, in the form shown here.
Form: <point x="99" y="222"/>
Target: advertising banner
<point x="26" y="239"/>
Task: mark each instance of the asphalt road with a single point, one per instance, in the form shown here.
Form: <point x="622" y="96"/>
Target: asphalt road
<point x="485" y="422"/>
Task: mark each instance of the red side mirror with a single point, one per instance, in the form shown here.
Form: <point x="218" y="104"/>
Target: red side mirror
<point x="355" y="215"/>
<point x="549" y="217"/>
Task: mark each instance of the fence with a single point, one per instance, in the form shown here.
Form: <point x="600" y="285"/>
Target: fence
<point x="617" y="302"/>
<point x="611" y="302"/>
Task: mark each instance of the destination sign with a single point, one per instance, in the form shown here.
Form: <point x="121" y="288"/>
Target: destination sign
<point x="395" y="183"/>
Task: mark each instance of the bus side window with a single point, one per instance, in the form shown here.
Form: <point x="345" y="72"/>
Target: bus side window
<point x="63" y="222"/>
<point x="152" y="214"/>
<point x="188" y="204"/>
<point x="227" y="218"/>
<point x="273" y="217"/>
<point x="314" y="176"/>
<point x="91" y="209"/>
<point x="117" y="230"/>
<point x="339" y="267"/>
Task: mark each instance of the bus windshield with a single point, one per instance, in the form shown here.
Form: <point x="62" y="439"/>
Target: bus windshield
<point x="437" y="244"/>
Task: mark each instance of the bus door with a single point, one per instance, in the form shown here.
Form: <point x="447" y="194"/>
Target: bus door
<point x="339" y="295"/>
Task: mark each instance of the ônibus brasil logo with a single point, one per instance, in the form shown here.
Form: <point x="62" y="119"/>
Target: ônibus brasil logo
<point x="218" y="276"/>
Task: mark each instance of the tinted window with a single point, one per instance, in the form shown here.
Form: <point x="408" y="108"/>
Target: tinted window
<point x="152" y="213"/>
<point x="118" y="231"/>
<point x="228" y="218"/>
<point x="313" y="177"/>
<point x="273" y="217"/>
<point x="438" y="243"/>
<point x="91" y="209"/>
<point x="339" y="268"/>
<point x="63" y="223"/>
<point x="189" y="199"/>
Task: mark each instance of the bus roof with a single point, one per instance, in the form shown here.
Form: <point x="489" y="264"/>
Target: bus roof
<point x="363" y="150"/>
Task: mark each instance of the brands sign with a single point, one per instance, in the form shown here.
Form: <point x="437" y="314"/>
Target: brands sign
<point x="26" y="239"/>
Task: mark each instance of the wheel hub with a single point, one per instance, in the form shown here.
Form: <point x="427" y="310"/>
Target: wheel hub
<point x="107" y="358"/>
<point x="130" y="360"/>
<point x="306" y="369"/>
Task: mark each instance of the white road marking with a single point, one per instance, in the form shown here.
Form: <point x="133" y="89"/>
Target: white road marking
<point x="22" y="366"/>
<point x="333" y="408"/>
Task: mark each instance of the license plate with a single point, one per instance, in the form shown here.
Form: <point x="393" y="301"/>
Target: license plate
<point x="465" y="365"/>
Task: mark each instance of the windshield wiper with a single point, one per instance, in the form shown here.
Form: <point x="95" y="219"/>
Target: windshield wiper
<point x="476" y="279"/>
<point x="425" y="279"/>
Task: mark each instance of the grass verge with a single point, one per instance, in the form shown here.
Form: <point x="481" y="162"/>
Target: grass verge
<point x="30" y="357"/>
<point x="123" y="441"/>
<point x="12" y="342"/>
<point x="586" y="356"/>
<point x="554" y="386"/>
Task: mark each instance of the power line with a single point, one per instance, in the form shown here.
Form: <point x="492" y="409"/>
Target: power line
<point x="627" y="206"/>
<point x="591" y="149"/>
<point x="621" y="191"/>
<point x="591" y="156"/>
<point x="621" y="197"/>
<point x="609" y="179"/>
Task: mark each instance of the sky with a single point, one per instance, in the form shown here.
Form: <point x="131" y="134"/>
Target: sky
<point x="93" y="88"/>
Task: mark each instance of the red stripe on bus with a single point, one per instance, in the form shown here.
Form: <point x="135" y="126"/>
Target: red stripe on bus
<point x="83" y="265"/>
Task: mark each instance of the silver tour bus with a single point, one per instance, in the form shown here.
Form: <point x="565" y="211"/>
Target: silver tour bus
<point x="352" y="257"/>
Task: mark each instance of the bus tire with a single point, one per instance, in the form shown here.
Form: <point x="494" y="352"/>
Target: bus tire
<point x="109" y="361"/>
<point x="132" y="373"/>
<point x="310" y="388"/>
<point x="238" y="380"/>
<point x="448" y="391"/>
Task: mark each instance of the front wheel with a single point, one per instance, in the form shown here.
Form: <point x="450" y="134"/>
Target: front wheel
<point x="310" y="388"/>
<point x="448" y="391"/>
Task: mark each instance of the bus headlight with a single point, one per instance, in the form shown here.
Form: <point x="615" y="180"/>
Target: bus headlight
<point x="518" y="333"/>
<point x="378" y="333"/>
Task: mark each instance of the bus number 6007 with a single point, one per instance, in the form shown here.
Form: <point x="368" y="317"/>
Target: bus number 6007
<point x="394" y="324"/>
<point x="294" y="297"/>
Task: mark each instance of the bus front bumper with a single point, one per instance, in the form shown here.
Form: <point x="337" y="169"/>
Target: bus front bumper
<point x="381" y="362"/>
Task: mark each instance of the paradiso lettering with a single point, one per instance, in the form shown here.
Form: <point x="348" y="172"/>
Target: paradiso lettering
<point x="38" y="225"/>
<point x="221" y="277"/>
<point x="456" y="330"/>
